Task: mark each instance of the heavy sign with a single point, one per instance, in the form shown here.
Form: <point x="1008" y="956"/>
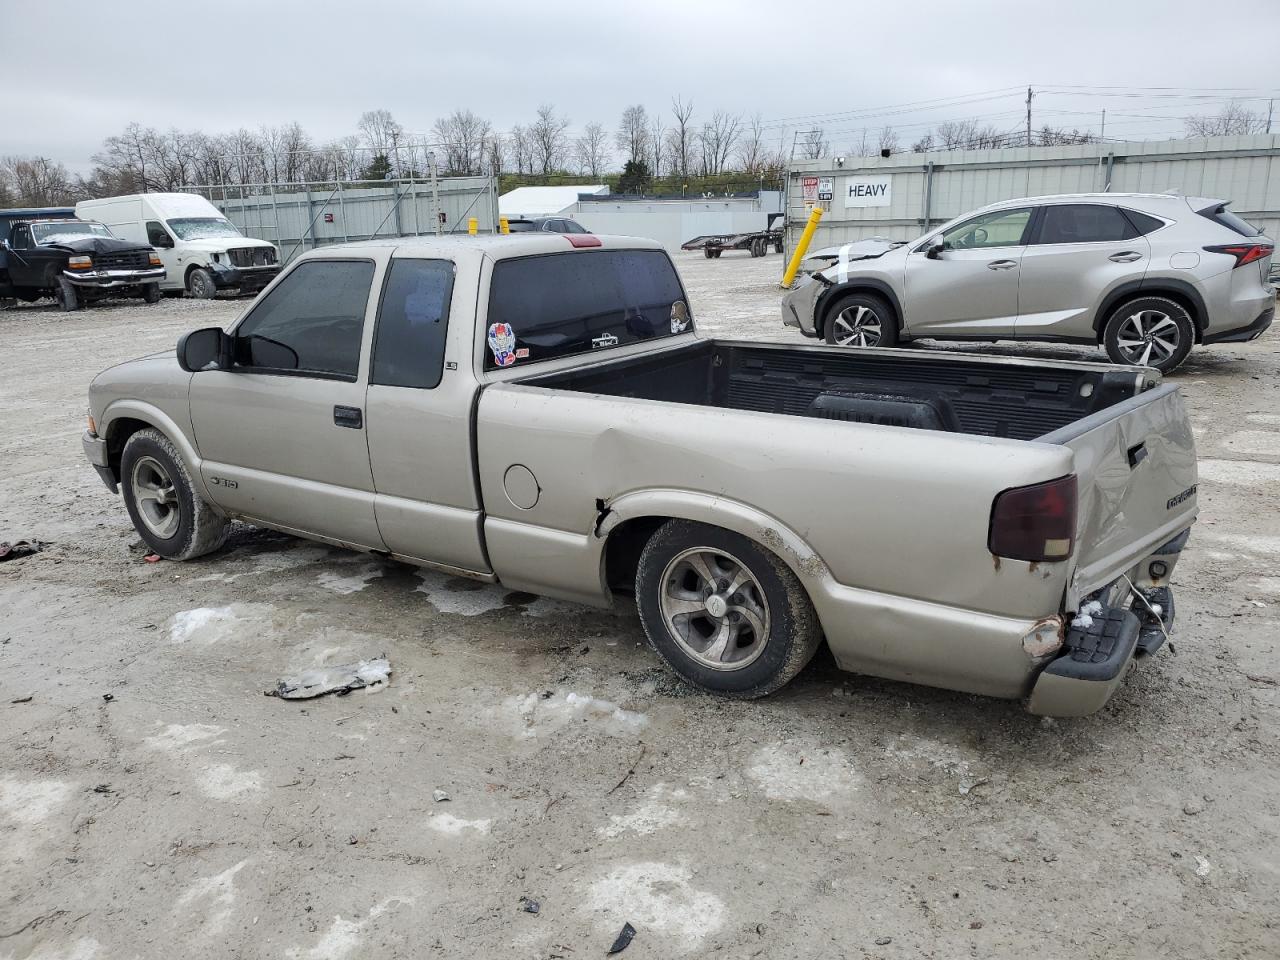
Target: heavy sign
<point x="810" y="185"/>
<point x="825" y="188"/>
<point x="868" y="191"/>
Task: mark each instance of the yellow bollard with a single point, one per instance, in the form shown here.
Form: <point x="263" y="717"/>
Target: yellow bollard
<point x="806" y="237"/>
<point x="503" y="225"/>
<point x="473" y="226"/>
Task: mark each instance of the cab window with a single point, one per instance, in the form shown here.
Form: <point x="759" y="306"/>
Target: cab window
<point x="413" y="319"/>
<point x="311" y="323"/>
<point x="22" y="237"/>
<point x="999" y="228"/>
<point x="156" y="235"/>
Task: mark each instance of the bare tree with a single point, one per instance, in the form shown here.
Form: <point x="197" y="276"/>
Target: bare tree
<point x="813" y="144"/>
<point x="633" y="133"/>
<point x="549" y="140"/>
<point x="680" y="141"/>
<point x="1055" y="136"/>
<point x="379" y="130"/>
<point x="924" y="144"/>
<point x="1233" y="120"/>
<point x="955" y="134"/>
<point x="752" y="152"/>
<point x="463" y="137"/>
<point x="888" y="140"/>
<point x="591" y="151"/>
<point x="36" y="181"/>
<point x="717" y="141"/>
<point x="521" y="152"/>
<point x="657" y="145"/>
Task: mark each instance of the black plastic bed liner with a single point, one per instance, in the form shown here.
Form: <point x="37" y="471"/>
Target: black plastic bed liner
<point x="936" y="392"/>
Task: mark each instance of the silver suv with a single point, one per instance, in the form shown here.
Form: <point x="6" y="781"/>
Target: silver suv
<point x="1144" y="275"/>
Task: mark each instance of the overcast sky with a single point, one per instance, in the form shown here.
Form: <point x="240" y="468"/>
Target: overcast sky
<point x="78" y="73"/>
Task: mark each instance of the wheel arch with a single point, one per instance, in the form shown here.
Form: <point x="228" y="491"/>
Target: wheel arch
<point x="1179" y="291"/>
<point x="627" y="523"/>
<point x="880" y="288"/>
<point x="122" y="419"/>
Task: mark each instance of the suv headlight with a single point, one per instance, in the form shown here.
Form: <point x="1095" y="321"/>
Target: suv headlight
<point x="80" y="263"/>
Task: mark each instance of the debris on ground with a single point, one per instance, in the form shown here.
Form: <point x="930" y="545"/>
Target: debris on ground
<point x="529" y="905"/>
<point x="1202" y="866"/>
<point x="623" y="940"/>
<point x="439" y="796"/>
<point x="968" y="786"/>
<point x="152" y="558"/>
<point x="108" y="697"/>
<point x="371" y="674"/>
<point x="27" y="699"/>
<point x="20" y="549"/>
<point x="1193" y="808"/>
<point x="883" y="941"/>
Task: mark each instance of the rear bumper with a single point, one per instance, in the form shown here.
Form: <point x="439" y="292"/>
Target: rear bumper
<point x="242" y="278"/>
<point x="1244" y="334"/>
<point x="110" y="279"/>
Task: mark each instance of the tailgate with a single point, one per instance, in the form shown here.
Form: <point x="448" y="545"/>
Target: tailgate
<point x="1136" y="467"/>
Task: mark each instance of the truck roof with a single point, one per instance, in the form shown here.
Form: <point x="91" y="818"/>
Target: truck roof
<point x="495" y="247"/>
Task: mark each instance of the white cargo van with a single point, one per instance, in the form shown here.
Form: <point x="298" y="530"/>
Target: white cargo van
<point x="202" y="250"/>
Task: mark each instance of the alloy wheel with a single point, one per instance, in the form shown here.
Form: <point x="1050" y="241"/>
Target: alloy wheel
<point x="155" y="497"/>
<point x="714" y="608"/>
<point x="1148" y="335"/>
<point x="856" y="326"/>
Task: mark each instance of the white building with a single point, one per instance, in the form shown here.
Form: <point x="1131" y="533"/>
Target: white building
<point x="526" y="202"/>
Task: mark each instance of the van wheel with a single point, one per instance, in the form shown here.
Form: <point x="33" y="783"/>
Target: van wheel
<point x="861" y="320"/>
<point x="172" y="519"/>
<point x="151" y="292"/>
<point x="67" y="295"/>
<point x="724" y="613"/>
<point x="1149" y="332"/>
<point x="200" y="284"/>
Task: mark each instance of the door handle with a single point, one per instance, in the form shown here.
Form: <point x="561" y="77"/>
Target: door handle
<point x="1002" y="264"/>
<point x="348" y="417"/>
<point x="1127" y="256"/>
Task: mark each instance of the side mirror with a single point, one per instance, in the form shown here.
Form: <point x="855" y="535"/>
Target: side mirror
<point x="934" y="250"/>
<point x="163" y="241"/>
<point x="206" y="349"/>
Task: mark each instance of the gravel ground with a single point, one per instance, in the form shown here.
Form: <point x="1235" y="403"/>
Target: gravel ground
<point x="154" y="804"/>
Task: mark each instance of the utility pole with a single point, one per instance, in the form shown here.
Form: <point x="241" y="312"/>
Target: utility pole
<point x="1029" y="95"/>
<point x="1270" y="109"/>
<point x="1102" y="135"/>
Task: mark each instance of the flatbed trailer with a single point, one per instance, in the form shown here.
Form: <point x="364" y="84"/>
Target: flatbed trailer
<point x="757" y="242"/>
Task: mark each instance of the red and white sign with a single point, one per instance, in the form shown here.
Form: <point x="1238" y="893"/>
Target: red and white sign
<point x="810" y="185"/>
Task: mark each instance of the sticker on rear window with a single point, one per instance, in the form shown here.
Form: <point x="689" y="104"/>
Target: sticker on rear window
<point x="502" y="343"/>
<point x="679" y="317"/>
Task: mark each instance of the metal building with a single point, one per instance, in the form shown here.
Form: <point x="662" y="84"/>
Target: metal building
<point x="902" y="196"/>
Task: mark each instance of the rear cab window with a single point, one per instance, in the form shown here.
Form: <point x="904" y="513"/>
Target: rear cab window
<point x="413" y="318"/>
<point x="563" y="304"/>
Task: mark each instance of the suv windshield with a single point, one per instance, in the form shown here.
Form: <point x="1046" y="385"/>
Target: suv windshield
<point x="202" y="228"/>
<point x="560" y="304"/>
<point x="62" y="232"/>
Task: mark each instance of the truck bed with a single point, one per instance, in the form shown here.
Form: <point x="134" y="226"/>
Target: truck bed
<point x="1021" y="401"/>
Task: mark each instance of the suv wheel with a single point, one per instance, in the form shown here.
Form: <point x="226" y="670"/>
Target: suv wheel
<point x="724" y="613"/>
<point x="1149" y="332"/>
<point x="861" y="320"/>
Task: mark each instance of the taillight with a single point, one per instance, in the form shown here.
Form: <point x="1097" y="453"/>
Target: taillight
<point x="1243" y="252"/>
<point x="1036" y="523"/>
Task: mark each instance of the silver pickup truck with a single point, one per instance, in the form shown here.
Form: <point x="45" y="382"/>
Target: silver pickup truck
<point x="539" y="410"/>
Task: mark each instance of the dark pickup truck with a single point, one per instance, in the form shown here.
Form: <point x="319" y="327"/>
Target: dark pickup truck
<point x="49" y="253"/>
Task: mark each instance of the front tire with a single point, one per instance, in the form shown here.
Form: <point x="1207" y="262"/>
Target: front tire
<point x="861" y="320"/>
<point x="200" y="284"/>
<point x="172" y="519"/>
<point x="151" y="292"/>
<point x="724" y="613"/>
<point x="67" y="295"/>
<point x="1149" y="332"/>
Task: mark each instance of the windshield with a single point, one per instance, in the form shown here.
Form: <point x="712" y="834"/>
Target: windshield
<point x="202" y="228"/>
<point x="520" y="226"/>
<point x="62" y="232"/>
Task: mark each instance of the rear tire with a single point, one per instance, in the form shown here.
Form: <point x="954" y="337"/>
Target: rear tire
<point x="200" y="284"/>
<point x="708" y="252"/>
<point x="172" y="519"/>
<point x="861" y="320"/>
<point x="1149" y="331"/>
<point x="67" y="295"/>
<point x="724" y="613"/>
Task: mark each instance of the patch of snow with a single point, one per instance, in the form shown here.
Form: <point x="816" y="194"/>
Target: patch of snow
<point x="343" y="936"/>
<point x="29" y="802"/>
<point x="537" y="714"/>
<point x="454" y="826"/>
<point x="352" y="584"/>
<point x="177" y="736"/>
<point x="1084" y="619"/>
<point x="222" y="781"/>
<point x="86" y="948"/>
<point x="1264" y="442"/>
<point x="940" y="756"/>
<point x="220" y="891"/>
<point x="803" y="771"/>
<point x="656" y="898"/>
<point x="651" y="815"/>
<point x="1243" y="473"/>
<point x="207" y="625"/>
<point x="1203" y="866"/>
<point x="470" y="601"/>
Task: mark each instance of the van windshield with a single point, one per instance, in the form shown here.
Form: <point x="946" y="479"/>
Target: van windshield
<point x="202" y="228"/>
